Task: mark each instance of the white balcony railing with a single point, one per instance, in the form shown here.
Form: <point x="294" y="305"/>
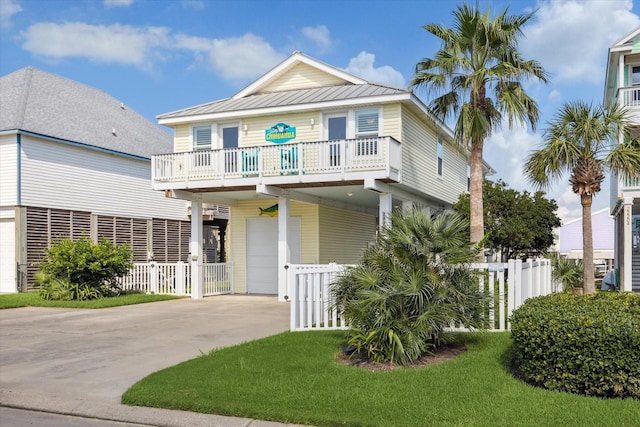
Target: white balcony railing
<point x="304" y="158"/>
<point x="629" y="97"/>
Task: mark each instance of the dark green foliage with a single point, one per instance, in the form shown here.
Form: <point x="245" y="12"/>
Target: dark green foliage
<point x="82" y="270"/>
<point x="517" y="224"/>
<point x="586" y="345"/>
<point x="409" y="286"/>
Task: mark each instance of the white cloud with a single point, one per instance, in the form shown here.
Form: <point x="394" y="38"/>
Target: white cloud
<point x="243" y="57"/>
<point x="319" y="35"/>
<point x="555" y="96"/>
<point x="118" y="3"/>
<point x="506" y="151"/>
<point x="8" y="8"/>
<point x="362" y="66"/>
<point x="193" y="4"/>
<point x="114" y="43"/>
<point x="235" y="58"/>
<point x="579" y="31"/>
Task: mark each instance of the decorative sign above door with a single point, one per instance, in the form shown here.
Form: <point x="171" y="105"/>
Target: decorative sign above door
<point x="280" y="133"/>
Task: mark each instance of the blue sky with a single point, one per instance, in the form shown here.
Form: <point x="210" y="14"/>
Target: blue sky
<point x="158" y="56"/>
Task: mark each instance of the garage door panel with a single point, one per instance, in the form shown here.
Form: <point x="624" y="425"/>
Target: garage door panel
<point x="262" y="253"/>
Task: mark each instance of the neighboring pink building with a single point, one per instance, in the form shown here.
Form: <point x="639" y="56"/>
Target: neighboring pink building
<point x="570" y="242"/>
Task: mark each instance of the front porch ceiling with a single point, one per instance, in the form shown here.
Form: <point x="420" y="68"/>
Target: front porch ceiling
<point x="354" y="196"/>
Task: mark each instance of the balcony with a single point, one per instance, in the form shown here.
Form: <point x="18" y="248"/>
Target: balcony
<point x="304" y="163"/>
<point x="630" y="97"/>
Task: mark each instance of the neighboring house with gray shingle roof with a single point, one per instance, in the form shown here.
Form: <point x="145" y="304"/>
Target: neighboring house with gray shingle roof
<point x="75" y="160"/>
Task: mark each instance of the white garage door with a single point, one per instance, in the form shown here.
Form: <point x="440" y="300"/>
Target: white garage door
<point x="7" y="255"/>
<point x="262" y="253"/>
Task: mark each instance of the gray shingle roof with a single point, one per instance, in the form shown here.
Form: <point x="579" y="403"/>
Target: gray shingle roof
<point x="289" y="98"/>
<point x="40" y="102"/>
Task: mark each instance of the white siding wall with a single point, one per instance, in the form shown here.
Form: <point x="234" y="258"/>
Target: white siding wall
<point x="7" y="255"/>
<point x="57" y="175"/>
<point x="8" y="170"/>
<point x="420" y="162"/>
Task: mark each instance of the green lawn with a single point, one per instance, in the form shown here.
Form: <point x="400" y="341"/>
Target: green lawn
<point x="32" y="299"/>
<point x="293" y="377"/>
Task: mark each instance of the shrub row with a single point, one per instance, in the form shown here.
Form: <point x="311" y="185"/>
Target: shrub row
<point x="586" y="345"/>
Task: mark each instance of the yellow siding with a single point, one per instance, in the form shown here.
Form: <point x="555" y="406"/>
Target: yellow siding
<point x="305" y="132"/>
<point x="302" y="76"/>
<point x="344" y="235"/>
<point x="181" y="139"/>
<point x="237" y="238"/>
<point x="391" y="114"/>
<point x="419" y="161"/>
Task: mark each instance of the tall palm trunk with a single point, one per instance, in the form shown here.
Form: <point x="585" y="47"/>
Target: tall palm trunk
<point x="587" y="244"/>
<point x="475" y="194"/>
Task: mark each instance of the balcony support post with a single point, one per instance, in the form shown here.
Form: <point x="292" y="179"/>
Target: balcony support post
<point x="386" y="206"/>
<point x="195" y="250"/>
<point x="627" y="228"/>
<point x="284" y="251"/>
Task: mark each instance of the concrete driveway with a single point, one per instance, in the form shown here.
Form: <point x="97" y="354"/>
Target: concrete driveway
<point x="71" y="360"/>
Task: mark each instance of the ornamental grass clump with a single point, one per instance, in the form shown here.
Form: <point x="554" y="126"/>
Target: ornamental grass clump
<point x="587" y="345"/>
<point x="411" y="285"/>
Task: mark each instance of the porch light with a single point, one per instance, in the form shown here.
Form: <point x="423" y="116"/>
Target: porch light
<point x="349" y="194"/>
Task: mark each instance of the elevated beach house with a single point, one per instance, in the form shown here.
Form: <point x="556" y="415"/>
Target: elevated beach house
<point x="622" y="86"/>
<point x="311" y="160"/>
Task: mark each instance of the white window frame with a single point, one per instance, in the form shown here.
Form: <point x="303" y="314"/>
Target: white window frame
<point x="366" y="134"/>
<point x="200" y="147"/>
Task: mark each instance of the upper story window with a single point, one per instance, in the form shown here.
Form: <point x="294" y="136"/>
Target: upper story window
<point x="440" y="156"/>
<point x="202" y="138"/>
<point x="367" y="127"/>
<point x="635" y="75"/>
<point x="367" y="123"/>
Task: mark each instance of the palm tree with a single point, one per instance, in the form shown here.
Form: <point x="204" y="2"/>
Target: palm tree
<point x="582" y="140"/>
<point x="414" y="282"/>
<point x="477" y="75"/>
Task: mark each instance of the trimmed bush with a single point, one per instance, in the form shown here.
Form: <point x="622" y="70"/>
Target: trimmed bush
<point x="82" y="270"/>
<point x="587" y="345"/>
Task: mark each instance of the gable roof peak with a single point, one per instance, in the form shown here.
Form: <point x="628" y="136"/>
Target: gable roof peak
<point x="628" y="38"/>
<point x="296" y="58"/>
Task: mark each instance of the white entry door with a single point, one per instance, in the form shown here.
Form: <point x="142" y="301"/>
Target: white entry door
<point x="262" y="253"/>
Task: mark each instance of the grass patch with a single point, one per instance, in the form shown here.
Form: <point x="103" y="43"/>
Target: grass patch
<point x="32" y="299"/>
<point x="293" y="377"/>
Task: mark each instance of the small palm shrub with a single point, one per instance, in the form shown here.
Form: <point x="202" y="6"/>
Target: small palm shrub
<point x="82" y="270"/>
<point x="580" y="344"/>
<point x="409" y="286"/>
<point x="567" y="272"/>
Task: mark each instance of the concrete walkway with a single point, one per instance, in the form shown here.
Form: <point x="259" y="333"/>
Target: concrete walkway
<point x="79" y="362"/>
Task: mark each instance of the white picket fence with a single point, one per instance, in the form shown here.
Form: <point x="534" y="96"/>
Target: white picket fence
<point x="175" y="278"/>
<point x="507" y="284"/>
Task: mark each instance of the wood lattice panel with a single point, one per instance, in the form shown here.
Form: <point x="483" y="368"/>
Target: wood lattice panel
<point x="45" y="225"/>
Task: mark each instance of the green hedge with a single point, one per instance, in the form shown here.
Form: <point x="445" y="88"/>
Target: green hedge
<point x="580" y="344"/>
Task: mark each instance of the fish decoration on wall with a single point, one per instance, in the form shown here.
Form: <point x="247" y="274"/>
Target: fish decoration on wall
<point x="270" y="211"/>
